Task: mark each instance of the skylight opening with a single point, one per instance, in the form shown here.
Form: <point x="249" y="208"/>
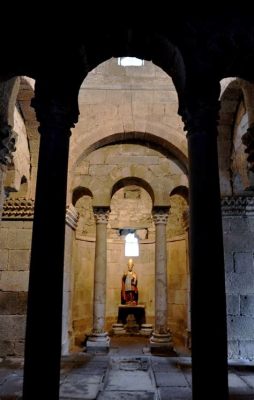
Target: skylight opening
<point x="130" y="62"/>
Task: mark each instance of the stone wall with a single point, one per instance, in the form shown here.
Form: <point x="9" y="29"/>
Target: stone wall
<point x="178" y="276"/>
<point x="131" y="206"/>
<point x="15" y="244"/>
<point x="156" y="169"/>
<point x="239" y="264"/>
<point x="117" y="103"/>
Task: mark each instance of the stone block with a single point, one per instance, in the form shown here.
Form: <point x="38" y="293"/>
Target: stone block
<point x="232" y="242"/>
<point x="19" y="260"/>
<point x="233" y="349"/>
<point x="240" y="328"/>
<point x="239" y="283"/>
<point x="178" y="297"/>
<point x="233" y="305"/>
<point x="228" y="262"/>
<point x="19" y="239"/>
<point x="177" y="281"/>
<point x="3" y="259"/>
<point x="170" y="379"/>
<point x="19" y="348"/>
<point x="246" y="349"/>
<point x="175" y="393"/>
<point x="243" y="262"/>
<point x="4" y="238"/>
<point x="12" y="327"/>
<point x="14" y="281"/>
<point x="6" y="348"/>
<point x="247" y="305"/>
<point x="12" y="303"/>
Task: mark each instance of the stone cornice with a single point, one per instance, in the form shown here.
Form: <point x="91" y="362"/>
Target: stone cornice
<point x="18" y="209"/>
<point x="23" y="209"/>
<point x="237" y="205"/>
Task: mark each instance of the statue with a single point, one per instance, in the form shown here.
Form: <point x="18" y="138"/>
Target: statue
<point x="129" y="292"/>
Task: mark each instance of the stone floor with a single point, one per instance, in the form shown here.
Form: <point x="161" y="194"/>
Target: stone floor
<point x="126" y="373"/>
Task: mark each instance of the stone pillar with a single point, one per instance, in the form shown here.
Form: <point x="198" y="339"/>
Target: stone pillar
<point x="2" y="191"/>
<point x="71" y="221"/>
<point x="44" y="311"/>
<point x="161" y="338"/>
<point x="208" y="302"/>
<point x="7" y="147"/>
<point x="99" y="339"/>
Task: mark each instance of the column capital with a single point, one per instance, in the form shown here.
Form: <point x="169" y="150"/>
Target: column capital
<point x="7" y="144"/>
<point x="248" y="141"/>
<point x="160" y="214"/>
<point x="71" y="217"/>
<point x="199" y="107"/>
<point x="101" y="214"/>
<point x="55" y="110"/>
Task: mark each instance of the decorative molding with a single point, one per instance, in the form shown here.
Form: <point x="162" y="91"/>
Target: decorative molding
<point x="18" y="209"/>
<point x="237" y="205"/>
<point x="160" y="215"/>
<point x="23" y="209"/>
<point x="7" y="144"/>
<point x="248" y="141"/>
<point x="101" y="214"/>
<point x="71" y="217"/>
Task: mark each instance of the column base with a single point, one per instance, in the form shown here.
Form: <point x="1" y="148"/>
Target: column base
<point x="161" y="343"/>
<point x="98" y="342"/>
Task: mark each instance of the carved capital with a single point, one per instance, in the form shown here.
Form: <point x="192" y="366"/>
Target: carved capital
<point x="248" y="141"/>
<point x="101" y="214"/>
<point x="55" y="110"/>
<point x="199" y="107"/>
<point x="71" y="217"/>
<point x="160" y="215"/>
<point x="7" y="144"/>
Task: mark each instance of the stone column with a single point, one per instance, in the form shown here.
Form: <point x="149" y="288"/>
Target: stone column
<point x="208" y="303"/>
<point x="71" y="221"/>
<point x="161" y="337"/>
<point x="2" y="191"/>
<point x="44" y="311"/>
<point x="7" y="147"/>
<point x="99" y="339"/>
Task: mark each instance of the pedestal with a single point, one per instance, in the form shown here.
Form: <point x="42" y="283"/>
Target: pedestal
<point x="137" y="310"/>
<point x="98" y="342"/>
<point x="161" y="343"/>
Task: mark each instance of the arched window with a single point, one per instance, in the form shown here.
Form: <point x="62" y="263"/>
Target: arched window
<point x="131" y="245"/>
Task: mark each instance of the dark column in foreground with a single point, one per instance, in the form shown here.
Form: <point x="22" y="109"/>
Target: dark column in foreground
<point x="208" y="300"/>
<point x="44" y="312"/>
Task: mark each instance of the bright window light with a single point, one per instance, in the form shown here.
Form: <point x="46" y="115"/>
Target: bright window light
<point x="131" y="245"/>
<point x="130" y="62"/>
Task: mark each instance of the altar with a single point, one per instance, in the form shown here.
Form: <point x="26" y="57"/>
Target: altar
<point x="124" y="310"/>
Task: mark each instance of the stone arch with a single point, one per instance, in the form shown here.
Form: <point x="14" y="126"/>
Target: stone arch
<point x="158" y="136"/>
<point x="82" y="199"/>
<point x="80" y="191"/>
<point x="164" y="140"/>
<point x="232" y="99"/>
<point x="128" y="181"/>
<point x="181" y="191"/>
